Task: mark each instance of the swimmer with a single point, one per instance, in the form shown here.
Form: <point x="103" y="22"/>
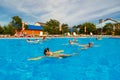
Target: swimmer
<point x="36" y="40"/>
<point x="28" y="40"/>
<point x="74" y="43"/>
<point x="88" y="45"/>
<point x="47" y="52"/>
<point x="75" y="40"/>
<point x="98" y="38"/>
<point x="32" y="41"/>
<point x="44" y="37"/>
<point x="71" y="42"/>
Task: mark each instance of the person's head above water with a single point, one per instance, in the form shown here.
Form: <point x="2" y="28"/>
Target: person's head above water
<point x="70" y="41"/>
<point x="46" y="50"/>
<point x="28" y="39"/>
<point x="90" y="44"/>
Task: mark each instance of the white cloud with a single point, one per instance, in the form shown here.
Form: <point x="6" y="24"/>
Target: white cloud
<point x="66" y="11"/>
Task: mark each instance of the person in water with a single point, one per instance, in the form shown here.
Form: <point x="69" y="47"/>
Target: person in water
<point x="75" y="43"/>
<point x="75" y="40"/>
<point x="44" y="37"/>
<point x="90" y="44"/>
<point x="28" y="39"/>
<point x="36" y="40"/>
<point x="47" y="52"/>
<point x="99" y="38"/>
<point x="71" y="42"/>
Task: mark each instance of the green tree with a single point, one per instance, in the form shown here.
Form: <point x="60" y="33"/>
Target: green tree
<point x="9" y="29"/>
<point x="64" y="28"/>
<point x="108" y="29"/>
<point x="117" y="32"/>
<point x="90" y="27"/>
<point x="1" y="30"/>
<point x="99" y="31"/>
<point x="52" y="27"/>
<point x="117" y="28"/>
<point x="76" y="28"/>
<point x="6" y="31"/>
<point x="17" y="23"/>
<point x="26" y="26"/>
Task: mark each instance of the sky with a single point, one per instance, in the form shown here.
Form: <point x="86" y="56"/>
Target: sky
<point x="71" y="12"/>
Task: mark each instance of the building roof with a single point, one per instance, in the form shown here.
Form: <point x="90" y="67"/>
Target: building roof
<point x="40" y="23"/>
<point x="33" y="27"/>
<point x="100" y="25"/>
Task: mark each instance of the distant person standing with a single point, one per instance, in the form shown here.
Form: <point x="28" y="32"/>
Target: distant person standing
<point x="91" y="34"/>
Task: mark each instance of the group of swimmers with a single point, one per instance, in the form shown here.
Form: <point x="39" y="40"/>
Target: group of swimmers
<point x="47" y="52"/>
<point x="85" y="46"/>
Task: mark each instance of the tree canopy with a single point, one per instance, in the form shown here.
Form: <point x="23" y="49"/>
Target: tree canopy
<point x="90" y="27"/>
<point x="52" y="26"/>
<point x="64" y="28"/>
<point x="1" y="30"/>
<point x="108" y="28"/>
<point x="112" y="29"/>
<point x="17" y="22"/>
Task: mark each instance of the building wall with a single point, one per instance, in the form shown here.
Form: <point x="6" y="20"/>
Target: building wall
<point x="37" y="24"/>
<point x="32" y="32"/>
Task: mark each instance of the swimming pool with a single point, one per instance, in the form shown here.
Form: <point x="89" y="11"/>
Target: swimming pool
<point x="100" y="62"/>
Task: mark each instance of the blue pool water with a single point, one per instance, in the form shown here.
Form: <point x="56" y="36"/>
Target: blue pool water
<point x="100" y="62"/>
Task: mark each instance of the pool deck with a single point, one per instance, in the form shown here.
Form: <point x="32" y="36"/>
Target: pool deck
<point x="61" y="36"/>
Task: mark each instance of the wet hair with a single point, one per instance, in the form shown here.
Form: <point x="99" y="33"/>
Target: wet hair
<point x="90" y="44"/>
<point x="45" y="50"/>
